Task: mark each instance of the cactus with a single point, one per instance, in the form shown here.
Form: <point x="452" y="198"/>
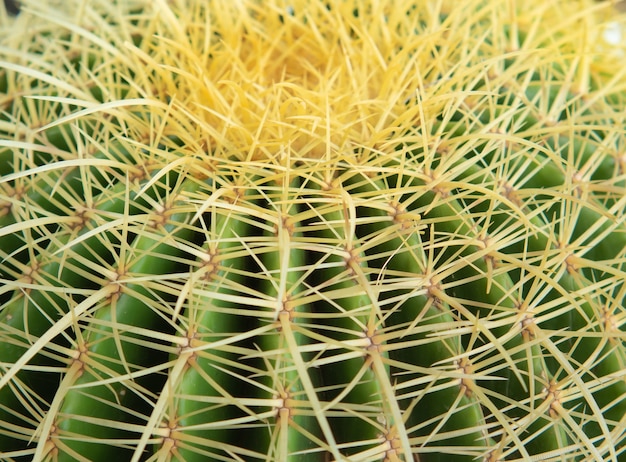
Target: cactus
<point x="300" y="230"/>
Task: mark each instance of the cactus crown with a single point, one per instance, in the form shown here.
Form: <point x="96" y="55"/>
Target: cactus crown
<point x="292" y="230"/>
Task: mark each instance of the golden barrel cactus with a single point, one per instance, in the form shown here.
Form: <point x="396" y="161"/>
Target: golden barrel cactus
<point x="289" y="230"/>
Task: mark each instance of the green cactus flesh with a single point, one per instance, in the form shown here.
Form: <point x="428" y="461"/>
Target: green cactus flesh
<point x="297" y="230"/>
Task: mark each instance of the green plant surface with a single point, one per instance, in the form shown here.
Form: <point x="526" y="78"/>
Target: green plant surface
<point x="313" y="231"/>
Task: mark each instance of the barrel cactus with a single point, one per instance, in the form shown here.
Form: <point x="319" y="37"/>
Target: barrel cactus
<point x="293" y="230"/>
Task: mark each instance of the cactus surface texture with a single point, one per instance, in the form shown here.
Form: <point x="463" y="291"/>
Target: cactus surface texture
<point x="289" y="230"/>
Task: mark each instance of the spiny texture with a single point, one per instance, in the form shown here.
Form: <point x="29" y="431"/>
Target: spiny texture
<point x="301" y="230"/>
